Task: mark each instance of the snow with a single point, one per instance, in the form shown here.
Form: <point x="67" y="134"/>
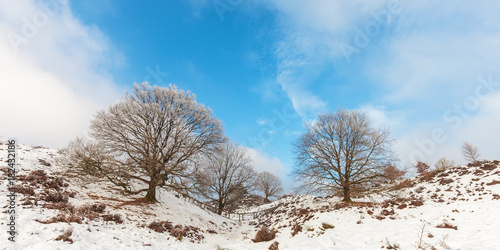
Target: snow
<point x="468" y="202"/>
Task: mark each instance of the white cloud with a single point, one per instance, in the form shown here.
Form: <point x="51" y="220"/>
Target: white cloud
<point x="55" y="79"/>
<point x="313" y="33"/>
<point x="262" y="121"/>
<point x="380" y="117"/>
<point x="427" y="61"/>
<point x="263" y="162"/>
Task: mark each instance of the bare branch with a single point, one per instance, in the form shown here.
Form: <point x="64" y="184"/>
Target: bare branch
<point x="470" y="152"/>
<point x="342" y="150"/>
<point x="225" y="175"/>
<point x="269" y="184"/>
<point x="150" y="137"/>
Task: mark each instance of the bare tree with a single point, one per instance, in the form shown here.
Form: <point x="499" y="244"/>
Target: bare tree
<point x="341" y="151"/>
<point x="225" y="175"/>
<point x="269" y="184"/>
<point x="148" y="139"/>
<point x="82" y="157"/>
<point x="470" y="152"/>
<point x="444" y="163"/>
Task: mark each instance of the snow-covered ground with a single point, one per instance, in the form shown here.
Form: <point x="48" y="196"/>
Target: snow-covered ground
<point x="465" y="197"/>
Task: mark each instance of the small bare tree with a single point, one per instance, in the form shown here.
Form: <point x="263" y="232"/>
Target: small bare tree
<point x="269" y="184"/>
<point x="149" y="138"/>
<point x="444" y="163"/>
<point x="341" y="150"/>
<point x="225" y="175"/>
<point x="470" y="152"/>
<point x="86" y="159"/>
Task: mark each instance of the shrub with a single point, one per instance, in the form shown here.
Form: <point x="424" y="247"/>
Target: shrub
<point x="62" y="206"/>
<point x="44" y="162"/>
<point x="274" y="246"/>
<point x="264" y="234"/>
<point x="55" y="183"/>
<point x="391" y="246"/>
<point x="57" y="197"/>
<point x="402" y="206"/>
<point x="113" y="217"/>
<point x="66" y="236"/>
<point x="392" y="173"/>
<point x="327" y="226"/>
<point x="94" y="208"/>
<point x="444" y="181"/>
<point x="160" y="226"/>
<point x="422" y="168"/>
<point x="62" y="218"/>
<point x="488" y="167"/>
<point x="446" y="224"/>
<point x="416" y="203"/>
<point x="37" y="176"/>
<point x="296" y="229"/>
<point x="178" y="232"/>
<point x="22" y="190"/>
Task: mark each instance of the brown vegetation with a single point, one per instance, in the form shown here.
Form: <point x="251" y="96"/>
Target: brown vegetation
<point x="264" y="234"/>
<point x="66" y="236"/>
<point x="274" y="246"/>
<point x="296" y="229"/>
<point x="446" y="224"/>
<point x="177" y="231"/>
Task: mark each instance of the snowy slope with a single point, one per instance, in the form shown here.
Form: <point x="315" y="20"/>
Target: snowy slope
<point x="466" y="197"/>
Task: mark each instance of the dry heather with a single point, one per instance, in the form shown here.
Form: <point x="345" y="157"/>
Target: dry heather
<point x="65" y="236"/>
<point x="445" y="185"/>
<point x="51" y="192"/>
<point x="177" y="231"/>
<point x="264" y="234"/>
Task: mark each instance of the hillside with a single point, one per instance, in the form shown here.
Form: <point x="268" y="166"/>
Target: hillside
<point x="406" y="214"/>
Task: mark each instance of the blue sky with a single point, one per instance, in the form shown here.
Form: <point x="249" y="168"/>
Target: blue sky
<point x="428" y="70"/>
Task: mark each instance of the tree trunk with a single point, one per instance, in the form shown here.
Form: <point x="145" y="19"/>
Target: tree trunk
<point x="220" y="207"/>
<point x="347" y="194"/>
<point x="151" y="195"/>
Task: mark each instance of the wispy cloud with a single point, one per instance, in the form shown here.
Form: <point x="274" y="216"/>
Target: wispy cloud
<point x="424" y="60"/>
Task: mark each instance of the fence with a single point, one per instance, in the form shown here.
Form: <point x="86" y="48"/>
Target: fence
<point x="230" y="215"/>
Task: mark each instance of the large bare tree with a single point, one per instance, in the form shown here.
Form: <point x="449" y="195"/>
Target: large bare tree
<point x="341" y="151"/>
<point x="470" y="152"/>
<point x="224" y="176"/>
<point x="148" y="139"/>
<point x="269" y="184"/>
